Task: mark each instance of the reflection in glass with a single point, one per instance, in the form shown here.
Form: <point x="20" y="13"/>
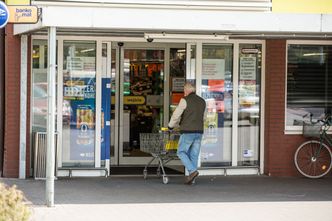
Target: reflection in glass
<point x="39" y="86"/>
<point x="309" y="82"/>
<point x="217" y="90"/>
<point x="79" y="92"/>
<point x="249" y="104"/>
<point x="177" y="76"/>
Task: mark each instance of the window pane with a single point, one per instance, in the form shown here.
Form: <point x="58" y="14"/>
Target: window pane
<point x="177" y="66"/>
<point x="39" y="86"/>
<point x="217" y="90"/>
<point x="79" y="98"/>
<point x="249" y="104"/>
<point x="308" y="82"/>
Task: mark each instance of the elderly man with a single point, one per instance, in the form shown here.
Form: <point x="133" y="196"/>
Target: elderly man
<point x="189" y="114"/>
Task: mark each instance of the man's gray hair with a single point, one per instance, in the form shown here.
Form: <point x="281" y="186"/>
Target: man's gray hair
<point x="190" y="86"/>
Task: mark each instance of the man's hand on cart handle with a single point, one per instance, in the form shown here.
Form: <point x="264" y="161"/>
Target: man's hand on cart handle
<point x="170" y="129"/>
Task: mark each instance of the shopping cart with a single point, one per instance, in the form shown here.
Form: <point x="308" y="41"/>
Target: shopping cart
<point x="162" y="146"/>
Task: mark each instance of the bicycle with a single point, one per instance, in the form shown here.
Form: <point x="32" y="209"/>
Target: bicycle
<point x="313" y="158"/>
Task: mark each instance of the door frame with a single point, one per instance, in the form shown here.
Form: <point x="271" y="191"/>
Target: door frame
<point x="118" y="158"/>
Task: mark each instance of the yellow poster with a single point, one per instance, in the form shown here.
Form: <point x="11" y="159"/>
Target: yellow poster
<point x="18" y="2"/>
<point x="302" y="6"/>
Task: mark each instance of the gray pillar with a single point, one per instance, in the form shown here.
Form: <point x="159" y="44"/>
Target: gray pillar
<point x="2" y="95"/>
<point x="23" y="105"/>
<point x="50" y="159"/>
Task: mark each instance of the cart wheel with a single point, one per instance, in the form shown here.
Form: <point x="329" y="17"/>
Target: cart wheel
<point x="145" y="174"/>
<point x="165" y="179"/>
<point x="158" y="172"/>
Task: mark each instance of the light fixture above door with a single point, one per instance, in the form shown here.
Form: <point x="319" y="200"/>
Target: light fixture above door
<point x="151" y="36"/>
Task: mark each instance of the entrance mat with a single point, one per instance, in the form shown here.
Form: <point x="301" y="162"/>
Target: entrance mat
<point x="138" y="170"/>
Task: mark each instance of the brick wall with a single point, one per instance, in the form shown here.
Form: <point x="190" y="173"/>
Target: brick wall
<point x="12" y="105"/>
<point x="279" y="148"/>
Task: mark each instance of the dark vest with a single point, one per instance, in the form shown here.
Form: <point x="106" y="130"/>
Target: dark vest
<point x="192" y="119"/>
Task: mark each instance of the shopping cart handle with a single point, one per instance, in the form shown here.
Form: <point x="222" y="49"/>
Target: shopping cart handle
<point x="164" y="129"/>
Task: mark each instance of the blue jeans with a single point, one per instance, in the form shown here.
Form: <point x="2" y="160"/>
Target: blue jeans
<point x="188" y="150"/>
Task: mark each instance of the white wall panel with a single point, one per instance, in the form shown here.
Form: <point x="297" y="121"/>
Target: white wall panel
<point x="167" y="19"/>
<point x="148" y="19"/>
<point x="327" y="23"/>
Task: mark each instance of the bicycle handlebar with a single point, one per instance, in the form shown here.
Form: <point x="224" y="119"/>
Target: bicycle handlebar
<point x="327" y="121"/>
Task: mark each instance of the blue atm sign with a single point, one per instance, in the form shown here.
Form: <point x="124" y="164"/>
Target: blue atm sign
<point x="4" y="14"/>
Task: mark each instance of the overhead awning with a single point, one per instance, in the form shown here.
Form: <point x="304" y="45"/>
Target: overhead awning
<point x="93" y="18"/>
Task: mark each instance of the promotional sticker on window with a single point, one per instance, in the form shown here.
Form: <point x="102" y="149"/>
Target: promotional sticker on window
<point x="213" y="69"/>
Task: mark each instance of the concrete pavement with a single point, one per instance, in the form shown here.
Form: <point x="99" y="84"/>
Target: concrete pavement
<point x="212" y="198"/>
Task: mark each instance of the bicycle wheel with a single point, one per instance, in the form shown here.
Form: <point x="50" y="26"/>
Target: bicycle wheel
<point x="310" y="165"/>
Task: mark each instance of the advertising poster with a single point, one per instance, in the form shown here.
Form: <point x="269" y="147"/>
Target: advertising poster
<point x="105" y="119"/>
<point x="214" y="101"/>
<point x="212" y="142"/>
<point x="247" y="92"/>
<point x="80" y="92"/>
<point x="216" y="85"/>
<point x="176" y="97"/>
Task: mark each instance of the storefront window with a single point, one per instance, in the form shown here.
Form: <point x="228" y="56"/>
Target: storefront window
<point x="39" y="86"/>
<point x="250" y="60"/>
<point x="79" y="98"/>
<point x="217" y="90"/>
<point x="309" y="82"/>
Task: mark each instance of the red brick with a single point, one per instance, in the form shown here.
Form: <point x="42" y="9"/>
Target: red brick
<point x="12" y="103"/>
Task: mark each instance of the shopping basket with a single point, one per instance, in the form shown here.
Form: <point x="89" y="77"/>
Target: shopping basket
<point x="311" y="130"/>
<point x="162" y="146"/>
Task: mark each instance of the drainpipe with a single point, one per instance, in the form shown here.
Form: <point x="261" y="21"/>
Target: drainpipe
<point x="2" y="95"/>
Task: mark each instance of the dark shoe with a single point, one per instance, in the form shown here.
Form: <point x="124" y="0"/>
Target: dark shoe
<point x="192" y="177"/>
<point x="186" y="180"/>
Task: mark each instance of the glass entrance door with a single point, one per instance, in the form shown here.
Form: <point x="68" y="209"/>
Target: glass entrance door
<point x="141" y="100"/>
<point x="142" y="93"/>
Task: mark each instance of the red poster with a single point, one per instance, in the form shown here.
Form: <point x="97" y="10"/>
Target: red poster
<point x="216" y="85"/>
<point x="176" y="97"/>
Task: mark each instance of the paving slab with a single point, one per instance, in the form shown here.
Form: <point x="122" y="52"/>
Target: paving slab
<point x="212" y="197"/>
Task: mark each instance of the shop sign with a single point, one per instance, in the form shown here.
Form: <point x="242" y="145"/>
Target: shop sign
<point x="213" y="69"/>
<point x="4" y="14"/>
<point x="134" y="100"/>
<point x="249" y="51"/>
<point x="23" y="14"/>
<point x="18" y="2"/>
